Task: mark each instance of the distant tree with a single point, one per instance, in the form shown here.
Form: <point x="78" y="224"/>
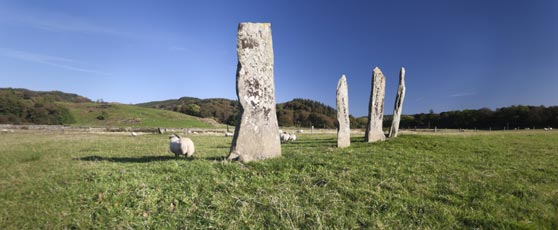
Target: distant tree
<point x="407" y="121"/>
<point x="191" y="109"/>
<point x="285" y="118"/>
<point x="321" y="120"/>
<point x="103" y="116"/>
<point x="358" y="122"/>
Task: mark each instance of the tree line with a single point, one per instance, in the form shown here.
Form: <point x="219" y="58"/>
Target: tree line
<point x="307" y="113"/>
<point x="512" y="117"/>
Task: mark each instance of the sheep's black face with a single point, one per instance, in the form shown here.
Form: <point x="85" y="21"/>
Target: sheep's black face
<point x="174" y="136"/>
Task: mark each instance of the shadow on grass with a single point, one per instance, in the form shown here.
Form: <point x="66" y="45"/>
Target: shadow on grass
<point x="140" y="159"/>
<point x="146" y="159"/>
<point x="358" y="140"/>
<point x="324" y="140"/>
<point x="222" y="158"/>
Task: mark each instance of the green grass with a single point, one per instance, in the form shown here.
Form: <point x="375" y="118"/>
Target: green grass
<point x="496" y="181"/>
<point x="120" y="115"/>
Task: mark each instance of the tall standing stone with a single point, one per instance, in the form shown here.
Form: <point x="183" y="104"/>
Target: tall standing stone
<point x="344" y="130"/>
<point x="256" y="135"/>
<point x="374" y="130"/>
<point x="398" y="108"/>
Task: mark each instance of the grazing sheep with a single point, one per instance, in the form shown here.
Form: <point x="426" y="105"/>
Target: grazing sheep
<point x="181" y="146"/>
<point x="292" y="138"/>
<point x="133" y="134"/>
<point x="227" y="134"/>
<point x="285" y="137"/>
<point x="550" y="128"/>
<point x="300" y="131"/>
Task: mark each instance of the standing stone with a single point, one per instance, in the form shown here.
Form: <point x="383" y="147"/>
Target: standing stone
<point x="256" y="135"/>
<point x="398" y="108"/>
<point x="344" y="130"/>
<point x="374" y="130"/>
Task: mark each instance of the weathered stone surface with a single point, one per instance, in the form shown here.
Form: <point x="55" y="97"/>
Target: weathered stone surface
<point x="256" y="136"/>
<point x="344" y="129"/>
<point x="398" y="108"/>
<point x="374" y="130"/>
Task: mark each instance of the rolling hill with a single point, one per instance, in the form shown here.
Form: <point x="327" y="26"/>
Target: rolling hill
<point x="23" y="106"/>
<point x="120" y="115"/>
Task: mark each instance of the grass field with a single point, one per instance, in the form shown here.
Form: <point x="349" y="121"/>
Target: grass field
<point x="120" y="115"/>
<point x="489" y="181"/>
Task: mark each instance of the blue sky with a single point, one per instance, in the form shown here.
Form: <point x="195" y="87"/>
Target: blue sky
<point x="461" y="54"/>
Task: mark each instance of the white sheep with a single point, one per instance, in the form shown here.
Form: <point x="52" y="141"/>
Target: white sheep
<point x="300" y="131"/>
<point x="292" y="138"/>
<point x="181" y="146"/>
<point x="285" y="137"/>
<point x="133" y="134"/>
<point x="227" y="134"/>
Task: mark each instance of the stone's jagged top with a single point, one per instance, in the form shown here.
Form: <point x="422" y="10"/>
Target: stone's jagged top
<point x="402" y="72"/>
<point x="265" y="25"/>
<point x="342" y="82"/>
<point x="256" y="135"/>
<point x="256" y="23"/>
<point x="344" y="129"/>
<point x="377" y="70"/>
<point x="251" y="36"/>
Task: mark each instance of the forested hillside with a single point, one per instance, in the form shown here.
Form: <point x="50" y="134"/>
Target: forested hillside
<point x="298" y="112"/>
<point x="21" y="106"/>
<point x="306" y="113"/>
<point x="222" y="110"/>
